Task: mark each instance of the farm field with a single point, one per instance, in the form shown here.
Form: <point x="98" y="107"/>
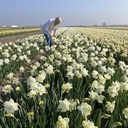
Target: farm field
<point x="8" y="31"/>
<point x="80" y="82"/>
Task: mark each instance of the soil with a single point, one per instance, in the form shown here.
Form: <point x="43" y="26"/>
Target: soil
<point x="14" y="38"/>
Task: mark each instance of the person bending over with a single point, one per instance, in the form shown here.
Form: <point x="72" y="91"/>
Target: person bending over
<point x="49" y="29"/>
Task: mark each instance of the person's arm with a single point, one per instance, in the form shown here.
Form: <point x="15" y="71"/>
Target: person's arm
<point x="54" y="34"/>
<point x="48" y="33"/>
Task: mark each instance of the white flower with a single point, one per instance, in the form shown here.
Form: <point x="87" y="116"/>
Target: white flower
<point x="107" y="76"/>
<point x="49" y="69"/>
<point x="69" y="68"/>
<point x="7" y="89"/>
<point x="1" y="62"/>
<point x="32" y="93"/>
<point x="64" y="105"/>
<point x="67" y="87"/>
<point x="94" y="63"/>
<point x="41" y="89"/>
<point x="95" y="74"/>
<point x="70" y="75"/>
<point x="78" y="74"/>
<point x="21" y="58"/>
<point x="10" y="106"/>
<point x="103" y="69"/>
<point x="110" y="106"/>
<point x="28" y="52"/>
<point x="85" y="109"/>
<point x="31" y="81"/>
<point x="21" y="69"/>
<point x="62" y="122"/>
<point x="41" y="77"/>
<point x="73" y="105"/>
<point x="6" y="60"/>
<point x="112" y="91"/>
<point x="95" y="96"/>
<point x="124" y="86"/>
<point x="110" y="71"/>
<point x="10" y="75"/>
<point x="95" y="84"/>
<point x="88" y="124"/>
<point x="125" y="112"/>
<point x="84" y="72"/>
<point x="101" y="79"/>
<point x="14" y="57"/>
<point x="100" y="88"/>
<point x="100" y="98"/>
<point x="15" y="81"/>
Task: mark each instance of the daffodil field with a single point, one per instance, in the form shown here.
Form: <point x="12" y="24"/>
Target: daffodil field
<point x="79" y="82"/>
<point x="5" y="32"/>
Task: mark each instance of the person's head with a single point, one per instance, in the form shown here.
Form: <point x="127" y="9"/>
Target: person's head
<point x="57" y="21"/>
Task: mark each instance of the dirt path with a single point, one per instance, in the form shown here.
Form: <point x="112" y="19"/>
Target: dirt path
<point x="14" y="38"/>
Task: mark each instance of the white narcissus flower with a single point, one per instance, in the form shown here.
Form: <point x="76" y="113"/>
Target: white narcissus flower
<point x="70" y="75"/>
<point x="1" y="62"/>
<point x="28" y="52"/>
<point x="41" y="89"/>
<point x="100" y="98"/>
<point x="95" y="74"/>
<point x="112" y="90"/>
<point x="41" y="77"/>
<point x="49" y="69"/>
<point x="95" y="96"/>
<point x="14" y="57"/>
<point x="107" y="76"/>
<point x="73" y="105"/>
<point x="7" y="89"/>
<point x="88" y="124"/>
<point x="10" y="75"/>
<point x="31" y="81"/>
<point x="32" y="93"/>
<point x="15" y="81"/>
<point x="101" y="79"/>
<point x="85" y="109"/>
<point x="6" y="60"/>
<point x="125" y="112"/>
<point x="62" y="122"/>
<point x="67" y="87"/>
<point x="110" y="71"/>
<point x="84" y="72"/>
<point x="21" y="58"/>
<point x="22" y="69"/>
<point x="110" y="106"/>
<point x="124" y="86"/>
<point x="10" y="106"/>
<point x="64" y="105"/>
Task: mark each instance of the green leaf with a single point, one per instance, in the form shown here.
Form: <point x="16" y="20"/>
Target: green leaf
<point x="111" y="122"/>
<point x="98" y="121"/>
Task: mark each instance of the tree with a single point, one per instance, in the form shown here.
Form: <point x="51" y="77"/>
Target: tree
<point x="104" y="23"/>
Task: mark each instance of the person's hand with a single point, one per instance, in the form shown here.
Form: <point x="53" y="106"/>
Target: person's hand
<point x="54" y="35"/>
<point x="50" y="35"/>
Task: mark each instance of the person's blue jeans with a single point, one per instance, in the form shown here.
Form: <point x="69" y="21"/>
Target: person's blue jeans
<point x="48" y="39"/>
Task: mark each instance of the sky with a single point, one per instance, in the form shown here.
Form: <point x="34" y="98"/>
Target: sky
<point x="72" y="12"/>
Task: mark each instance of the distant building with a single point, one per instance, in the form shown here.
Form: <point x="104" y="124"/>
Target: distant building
<point x="14" y="26"/>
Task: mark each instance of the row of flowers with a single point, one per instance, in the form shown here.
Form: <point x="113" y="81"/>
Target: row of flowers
<point x="109" y="38"/>
<point x="17" y="31"/>
<point x="14" y="55"/>
<point x="75" y="83"/>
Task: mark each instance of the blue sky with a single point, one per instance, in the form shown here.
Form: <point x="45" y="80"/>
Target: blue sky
<point x="72" y="12"/>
